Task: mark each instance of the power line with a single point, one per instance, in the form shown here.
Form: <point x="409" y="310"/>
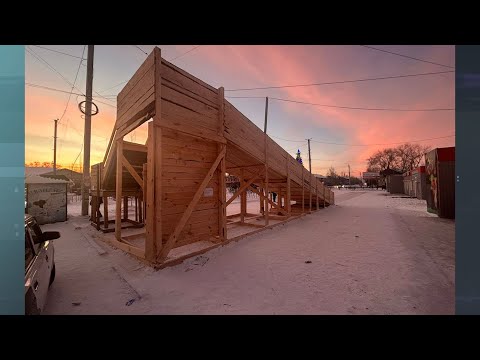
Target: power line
<point x="113" y="87"/>
<point x="343" y="81"/>
<point x="139" y="48"/>
<point x="276" y="137"/>
<point x="59" y="52"/>
<point x="39" y="58"/>
<point x="185" y="53"/>
<point x="74" y="82"/>
<point x="66" y="92"/>
<point x="360" y="108"/>
<point x="406" y="56"/>
<point x="396" y="143"/>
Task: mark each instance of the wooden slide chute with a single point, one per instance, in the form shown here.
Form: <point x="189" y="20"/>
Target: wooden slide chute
<point x="195" y="137"/>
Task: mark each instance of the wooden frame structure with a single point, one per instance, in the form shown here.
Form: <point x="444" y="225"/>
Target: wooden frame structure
<point x="195" y="137"/>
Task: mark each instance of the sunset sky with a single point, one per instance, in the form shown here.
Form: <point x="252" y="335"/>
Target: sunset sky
<point x="236" y="67"/>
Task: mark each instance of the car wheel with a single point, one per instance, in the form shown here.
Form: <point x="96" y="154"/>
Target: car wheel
<point x="52" y="276"/>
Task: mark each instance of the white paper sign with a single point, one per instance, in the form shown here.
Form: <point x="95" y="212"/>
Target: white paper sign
<point x="208" y="192"/>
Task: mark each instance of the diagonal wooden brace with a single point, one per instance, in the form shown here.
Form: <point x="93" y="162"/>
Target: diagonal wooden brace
<point x="188" y="212"/>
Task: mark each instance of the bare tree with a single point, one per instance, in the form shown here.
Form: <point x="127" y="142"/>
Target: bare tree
<point x="331" y="172"/>
<point x="403" y="158"/>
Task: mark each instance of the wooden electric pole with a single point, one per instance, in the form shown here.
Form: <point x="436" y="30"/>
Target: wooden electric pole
<point x="87" y="133"/>
<point x="310" y="169"/>
<point x="55" y="149"/>
<point x="349" y="182"/>
<point x="265" y="204"/>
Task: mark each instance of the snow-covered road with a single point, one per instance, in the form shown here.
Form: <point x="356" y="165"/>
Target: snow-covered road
<point x="368" y="254"/>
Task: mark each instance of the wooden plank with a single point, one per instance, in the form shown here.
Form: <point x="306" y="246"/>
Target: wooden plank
<point x="190" y="92"/>
<point x="130" y="146"/>
<point x="303" y="191"/>
<point x="118" y="186"/>
<point x="188" y="81"/>
<point x="222" y="186"/>
<point x="126" y="247"/>
<point x="150" y="251"/>
<point x="132" y="172"/>
<point x="105" y="212"/>
<point x="158" y="167"/>
<point x="209" y="114"/>
<point x="125" y="208"/>
<point x="174" y="236"/>
<point x="189" y="127"/>
<point x="132" y="125"/>
<point x="136" y="96"/>
<point x="243" y="200"/>
<point x="138" y="76"/>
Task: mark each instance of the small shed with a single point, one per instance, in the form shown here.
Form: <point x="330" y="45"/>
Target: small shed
<point x="408" y="186"/>
<point x="46" y="199"/>
<point x="393" y="181"/>
<point x="419" y="180"/>
<point x="440" y="182"/>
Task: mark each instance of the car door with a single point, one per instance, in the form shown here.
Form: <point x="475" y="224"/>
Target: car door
<point x="38" y="275"/>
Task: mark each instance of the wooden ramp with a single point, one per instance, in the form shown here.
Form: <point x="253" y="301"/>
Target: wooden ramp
<point x="195" y="138"/>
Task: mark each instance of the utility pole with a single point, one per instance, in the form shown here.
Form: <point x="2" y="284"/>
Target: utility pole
<point x="55" y="149"/>
<point x="87" y="132"/>
<point x="310" y="169"/>
<point x="265" y="203"/>
<point x="349" y="182"/>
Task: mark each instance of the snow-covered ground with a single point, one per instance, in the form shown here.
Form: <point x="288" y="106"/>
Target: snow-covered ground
<point x="368" y="254"/>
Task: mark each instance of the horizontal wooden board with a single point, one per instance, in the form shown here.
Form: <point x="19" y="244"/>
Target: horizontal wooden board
<point x="180" y="77"/>
<point x="138" y="76"/>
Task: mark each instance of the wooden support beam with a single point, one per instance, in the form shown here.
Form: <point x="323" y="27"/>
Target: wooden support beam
<point x="132" y="171"/>
<point x="144" y="193"/>
<point x="324" y="197"/>
<point x="125" y="207"/>
<point x="222" y="186"/>
<point x="316" y="191"/>
<point x="311" y="189"/>
<point x="150" y="247"/>
<point x="118" y="188"/>
<point x="303" y="190"/>
<point x="243" y="188"/>
<point x="280" y="194"/>
<point x="243" y="200"/>
<point x="262" y="202"/>
<point x="186" y="215"/>
<point x="136" y="208"/>
<point x="105" y="212"/>
<point x="288" y="195"/>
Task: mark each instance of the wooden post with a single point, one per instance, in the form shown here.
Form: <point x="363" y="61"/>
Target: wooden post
<point x="262" y="203"/>
<point x="266" y="163"/>
<point x="125" y="208"/>
<point x="144" y="193"/>
<point x="288" y="196"/>
<point x="303" y="190"/>
<point x="222" y="186"/>
<point x="280" y="192"/>
<point x="118" y="185"/>
<point x="136" y="208"/>
<point x="243" y="198"/>
<point x="316" y="191"/>
<point x="105" y="212"/>
<point x="153" y="244"/>
<point x="324" y="196"/>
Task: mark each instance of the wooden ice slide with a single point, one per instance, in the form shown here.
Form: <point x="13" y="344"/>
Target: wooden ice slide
<point x="177" y="178"/>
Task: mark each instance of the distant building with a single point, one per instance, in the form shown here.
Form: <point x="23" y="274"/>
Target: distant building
<point x="393" y="181"/>
<point x="74" y="176"/>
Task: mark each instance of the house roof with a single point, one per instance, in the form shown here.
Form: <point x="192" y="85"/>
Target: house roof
<point x="35" y="179"/>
